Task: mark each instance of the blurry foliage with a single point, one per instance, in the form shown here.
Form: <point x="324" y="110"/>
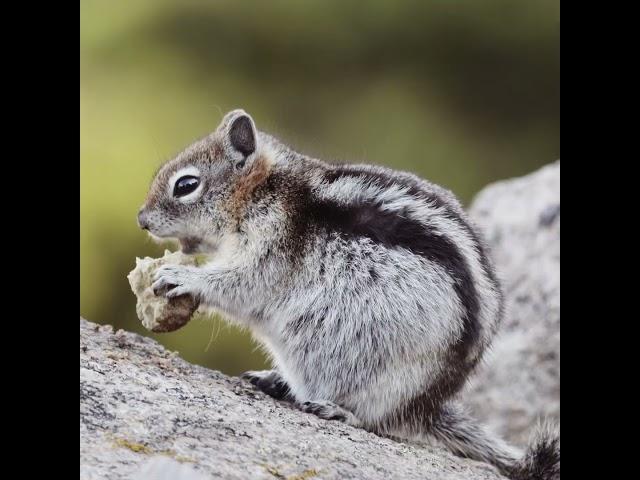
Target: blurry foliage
<point x="460" y="92"/>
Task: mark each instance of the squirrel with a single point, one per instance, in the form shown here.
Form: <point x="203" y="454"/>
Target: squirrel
<point x="370" y="289"/>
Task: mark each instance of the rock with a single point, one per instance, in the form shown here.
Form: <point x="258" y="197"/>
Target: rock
<point x="165" y="468"/>
<point x="520" y="380"/>
<point x="143" y="410"/>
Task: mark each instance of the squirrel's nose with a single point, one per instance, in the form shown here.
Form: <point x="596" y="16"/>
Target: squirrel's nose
<point x="143" y="221"/>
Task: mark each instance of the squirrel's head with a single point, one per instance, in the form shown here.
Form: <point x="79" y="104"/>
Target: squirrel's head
<point x="198" y="196"/>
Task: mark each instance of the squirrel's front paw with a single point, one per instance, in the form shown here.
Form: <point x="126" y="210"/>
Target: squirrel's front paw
<point x="175" y="280"/>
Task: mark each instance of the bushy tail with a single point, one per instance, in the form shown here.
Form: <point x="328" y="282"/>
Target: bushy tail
<point x="542" y="458"/>
<point x="463" y="435"/>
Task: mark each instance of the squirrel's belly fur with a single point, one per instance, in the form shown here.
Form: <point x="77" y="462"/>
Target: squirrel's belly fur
<point x="369" y="288"/>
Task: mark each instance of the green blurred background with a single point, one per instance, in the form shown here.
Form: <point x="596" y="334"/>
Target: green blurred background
<point x="463" y="92"/>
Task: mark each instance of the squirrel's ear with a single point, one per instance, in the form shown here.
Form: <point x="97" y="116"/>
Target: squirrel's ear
<point x="240" y="133"/>
<point x="243" y="135"/>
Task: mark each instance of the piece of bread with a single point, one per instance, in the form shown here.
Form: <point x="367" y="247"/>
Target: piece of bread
<point x="158" y="313"/>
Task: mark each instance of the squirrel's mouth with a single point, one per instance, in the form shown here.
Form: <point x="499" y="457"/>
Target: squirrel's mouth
<point x="190" y="244"/>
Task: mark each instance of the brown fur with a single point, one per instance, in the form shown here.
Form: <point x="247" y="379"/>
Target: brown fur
<point x="246" y="185"/>
<point x="217" y="151"/>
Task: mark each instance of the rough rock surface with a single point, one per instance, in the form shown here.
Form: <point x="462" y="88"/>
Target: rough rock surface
<point x="520" y="381"/>
<point x="147" y="414"/>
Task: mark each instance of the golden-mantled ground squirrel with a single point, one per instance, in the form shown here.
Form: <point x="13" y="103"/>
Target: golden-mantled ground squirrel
<point x="369" y="288"/>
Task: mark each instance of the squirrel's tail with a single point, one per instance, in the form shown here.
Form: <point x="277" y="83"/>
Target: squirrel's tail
<point x="463" y="435"/>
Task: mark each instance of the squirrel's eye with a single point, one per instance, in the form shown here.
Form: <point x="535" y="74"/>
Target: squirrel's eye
<point x="185" y="185"/>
